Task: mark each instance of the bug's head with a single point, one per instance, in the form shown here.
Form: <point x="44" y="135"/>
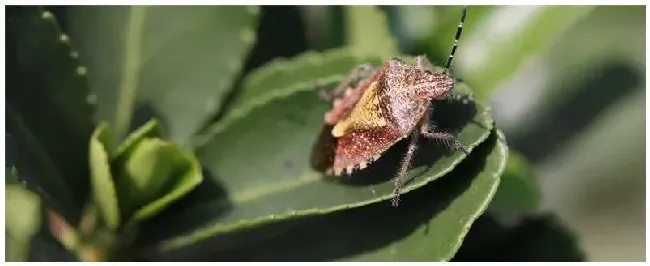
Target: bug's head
<point x="434" y="86"/>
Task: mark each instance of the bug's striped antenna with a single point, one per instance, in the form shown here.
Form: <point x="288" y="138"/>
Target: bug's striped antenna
<point x="459" y="31"/>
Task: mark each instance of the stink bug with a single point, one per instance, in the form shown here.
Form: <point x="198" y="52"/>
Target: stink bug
<point x="387" y="105"/>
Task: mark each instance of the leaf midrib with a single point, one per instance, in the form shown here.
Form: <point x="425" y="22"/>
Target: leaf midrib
<point x="131" y="69"/>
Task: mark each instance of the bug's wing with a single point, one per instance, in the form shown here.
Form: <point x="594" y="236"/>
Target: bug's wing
<point x="358" y="148"/>
<point x="342" y="107"/>
<point x="366" y="114"/>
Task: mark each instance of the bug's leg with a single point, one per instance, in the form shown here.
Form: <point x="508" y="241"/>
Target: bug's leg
<point x="360" y="71"/>
<point x="447" y="138"/>
<point x="428" y="130"/>
<point x="406" y="164"/>
<point x="323" y="94"/>
<point x="423" y="63"/>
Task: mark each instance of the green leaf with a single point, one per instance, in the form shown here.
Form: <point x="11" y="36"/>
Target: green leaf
<point x="367" y="32"/>
<point x="440" y="237"/>
<point x="49" y="118"/>
<point x="103" y="188"/>
<point x="490" y="52"/>
<point x="23" y="220"/>
<point x="177" y="62"/>
<point x="518" y="192"/>
<point x="260" y="156"/>
<point x="155" y="174"/>
<point x="303" y="70"/>
<point x="151" y="129"/>
<point x="11" y="176"/>
<point x="429" y="225"/>
<point x="188" y="174"/>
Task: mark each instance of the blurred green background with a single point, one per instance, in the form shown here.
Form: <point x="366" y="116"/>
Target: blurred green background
<point x="566" y="84"/>
<point x="567" y="87"/>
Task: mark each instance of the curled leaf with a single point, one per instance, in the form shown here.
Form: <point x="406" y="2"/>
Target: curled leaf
<point x="103" y="188"/>
<point x="154" y="168"/>
<point x="151" y="129"/>
<point x="186" y="176"/>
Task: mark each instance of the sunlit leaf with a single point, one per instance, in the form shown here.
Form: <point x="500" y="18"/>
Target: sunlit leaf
<point x="174" y="62"/>
<point x="260" y="157"/>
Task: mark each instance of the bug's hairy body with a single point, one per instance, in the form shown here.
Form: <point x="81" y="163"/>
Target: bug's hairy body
<point x="406" y="92"/>
<point x="387" y="105"/>
<point x="385" y="108"/>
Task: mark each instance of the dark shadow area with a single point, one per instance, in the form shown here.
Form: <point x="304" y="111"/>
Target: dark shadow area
<point x="142" y="113"/>
<point x="281" y="33"/>
<point x="44" y="248"/>
<point x="20" y="155"/>
<point x="539" y="238"/>
<point x="207" y="202"/>
<point x="485" y="236"/>
<point x="345" y="233"/>
<point x="333" y="35"/>
<point x="50" y="119"/>
<point x="395" y="26"/>
<point x="577" y="111"/>
<point x="240" y="239"/>
<point x="449" y="115"/>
